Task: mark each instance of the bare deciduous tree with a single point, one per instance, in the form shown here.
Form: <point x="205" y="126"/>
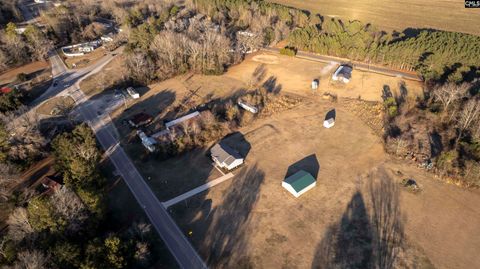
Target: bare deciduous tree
<point x="468" y="115"/>
<point x="142" y="252"/>
<point x="8" y="177"/>
<point x="69" y="206"/>
<point x="25" y="140"/>
<point x="18" y="224"/>
<point x="3" y="61"/>
<point x="448" y="93"/>
<point x="31" y="259"/>
<point x="141" y="67"/>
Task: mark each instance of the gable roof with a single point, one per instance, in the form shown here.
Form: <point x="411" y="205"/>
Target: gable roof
<point x="224" y="153"/>
<point x="345" y="71"/>
<point x="300" y="180"/>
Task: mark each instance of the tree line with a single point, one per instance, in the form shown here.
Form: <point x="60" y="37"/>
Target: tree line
<point x="17" y="49"/>
<point x="436" y="55"/>
<point x="69" y="228"/>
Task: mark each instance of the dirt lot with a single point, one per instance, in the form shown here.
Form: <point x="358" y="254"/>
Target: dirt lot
<point x="449" y="15"/>
<point x="296" y="75"/>
<point x="252" y="220"/>
<point x="38" y="78"/>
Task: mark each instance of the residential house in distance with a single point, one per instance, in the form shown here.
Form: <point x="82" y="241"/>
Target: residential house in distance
<point x="225" y="157"/>
<point x="52" y="183"/>
<point x="299" y="183"/>
<point x="343" y="74"/>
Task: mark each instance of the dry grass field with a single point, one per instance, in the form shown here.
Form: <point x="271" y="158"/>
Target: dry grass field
<point x="250" y="221"/>
<point x="253" y="222"/>
<point x="56" y="105"/>
<point x="107" y="79"/>
<point x="390" y="15"/>
<point x="85" y="60"/>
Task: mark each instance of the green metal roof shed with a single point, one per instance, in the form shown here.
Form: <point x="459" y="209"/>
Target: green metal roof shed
<point x="299" y="183"/>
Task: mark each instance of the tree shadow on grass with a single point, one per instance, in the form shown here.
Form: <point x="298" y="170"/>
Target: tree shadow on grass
<point x="365" y="238"/>
<point x="226" y="240"/>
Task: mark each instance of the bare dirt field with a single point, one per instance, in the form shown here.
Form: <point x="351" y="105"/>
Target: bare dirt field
<point x="295" y="75"/>
<point x="37" y="78"/>
<point x="450" y="15"/>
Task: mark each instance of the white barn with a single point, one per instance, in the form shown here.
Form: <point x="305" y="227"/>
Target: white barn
<point x="299" y="183"/>
<point x="225" y="157"/>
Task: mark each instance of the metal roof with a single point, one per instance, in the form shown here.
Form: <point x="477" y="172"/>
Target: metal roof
<point x="300" y="180"/>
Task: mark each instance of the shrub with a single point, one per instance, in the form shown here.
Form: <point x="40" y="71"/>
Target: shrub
<point x="246" y="118"/>
<point x="446" y="161"/>
<point x="289" y="51"/>
<point x="174" y="10"/>
<point x="268" y="36"/>
<point x="230" y="111"/>
<point x="22" y="77"/>
<point x="391" y="107"/>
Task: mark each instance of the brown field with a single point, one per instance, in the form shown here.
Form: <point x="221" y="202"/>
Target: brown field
<point x="449" y="15"/>
<point x="85" y="60"/>
<point x="33" y="69"/>
<point x="38" y="75"/>
<point x="55" y="104"/>
<point x="107" y="79"/>
<point x="295" y="75"/>
<point x="250" y="221"/>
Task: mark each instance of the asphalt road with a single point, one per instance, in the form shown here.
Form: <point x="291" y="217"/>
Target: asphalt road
<point x="68" y="84"/>
<point x="356" y="65"/>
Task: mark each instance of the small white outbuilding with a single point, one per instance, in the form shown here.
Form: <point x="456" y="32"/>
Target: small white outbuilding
<point x="329" y="123"/>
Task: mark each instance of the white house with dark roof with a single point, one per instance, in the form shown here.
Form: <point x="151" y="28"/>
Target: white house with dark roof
<point x="343" y="74"/>
<point x="225" y="157"/>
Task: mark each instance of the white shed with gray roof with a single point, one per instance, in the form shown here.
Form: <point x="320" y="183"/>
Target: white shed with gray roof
<point x="226" y="157"/>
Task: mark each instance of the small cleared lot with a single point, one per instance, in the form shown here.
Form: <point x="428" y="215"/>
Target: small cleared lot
<point x="85" y="60"/>
<point x="295" y="75"/>
<point x="56" y="106"/>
